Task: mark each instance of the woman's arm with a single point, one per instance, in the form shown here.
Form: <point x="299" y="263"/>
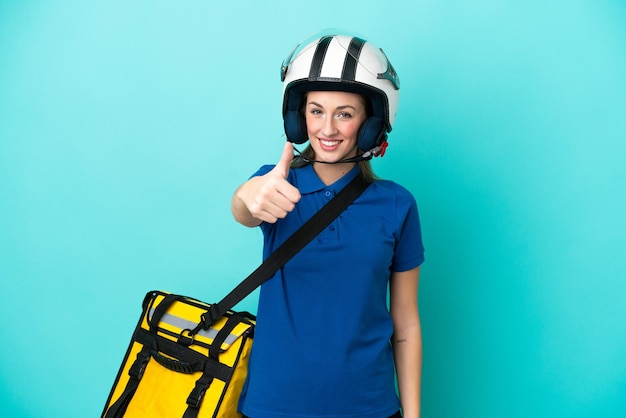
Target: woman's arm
<point x="407" y="339"/>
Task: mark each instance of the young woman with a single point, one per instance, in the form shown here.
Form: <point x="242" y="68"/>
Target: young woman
<point x="326" y="340"/>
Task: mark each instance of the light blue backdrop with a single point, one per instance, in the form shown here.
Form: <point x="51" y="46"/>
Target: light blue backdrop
<point x="126" y="125"/>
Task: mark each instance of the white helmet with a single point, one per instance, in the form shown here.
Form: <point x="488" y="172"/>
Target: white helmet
<point x="341" y="63"/>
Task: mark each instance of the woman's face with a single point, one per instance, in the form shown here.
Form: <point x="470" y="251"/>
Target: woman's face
<point x="333" y="119"/>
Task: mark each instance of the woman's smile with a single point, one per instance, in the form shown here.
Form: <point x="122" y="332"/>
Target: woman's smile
<point x="328" y="144"/>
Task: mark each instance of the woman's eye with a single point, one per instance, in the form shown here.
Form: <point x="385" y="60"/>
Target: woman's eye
<point x="316" y="112"/>
<point x="344" y="115"/>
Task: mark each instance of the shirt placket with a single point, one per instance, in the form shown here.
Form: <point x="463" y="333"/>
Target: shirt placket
<point x="332" y="231"/>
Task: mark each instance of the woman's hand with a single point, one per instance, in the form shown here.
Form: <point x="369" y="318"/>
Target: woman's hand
<point x="266" y="198"/>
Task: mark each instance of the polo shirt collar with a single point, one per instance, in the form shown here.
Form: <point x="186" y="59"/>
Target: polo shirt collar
<point x="307" y="180"/>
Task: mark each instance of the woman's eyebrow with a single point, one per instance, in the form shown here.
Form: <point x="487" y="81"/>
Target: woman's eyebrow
<point x="338" y="107"/>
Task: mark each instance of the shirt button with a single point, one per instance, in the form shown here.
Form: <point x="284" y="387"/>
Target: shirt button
<point x="327" y="193"/>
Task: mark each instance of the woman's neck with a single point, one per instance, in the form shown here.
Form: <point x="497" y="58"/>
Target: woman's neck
<point x="330" y="173"/>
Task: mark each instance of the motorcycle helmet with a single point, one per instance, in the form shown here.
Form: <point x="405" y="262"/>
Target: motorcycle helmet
<point x="336" y="62"/>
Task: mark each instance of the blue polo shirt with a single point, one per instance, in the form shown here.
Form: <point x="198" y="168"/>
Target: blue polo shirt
<point x="322" y="341"/>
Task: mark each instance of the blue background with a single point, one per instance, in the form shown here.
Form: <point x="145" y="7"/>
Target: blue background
<point x="126" y="126"/>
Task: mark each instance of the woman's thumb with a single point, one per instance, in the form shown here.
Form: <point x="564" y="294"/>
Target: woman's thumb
<point x="282" y="167"/>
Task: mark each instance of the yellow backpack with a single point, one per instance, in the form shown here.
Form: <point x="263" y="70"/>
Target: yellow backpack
<point x="176" y="368"/>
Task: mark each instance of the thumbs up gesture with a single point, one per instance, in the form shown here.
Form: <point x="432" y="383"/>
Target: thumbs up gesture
<point x="269" y="197"/>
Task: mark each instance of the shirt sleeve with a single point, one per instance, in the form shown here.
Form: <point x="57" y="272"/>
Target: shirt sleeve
<point x="409" y="251"/>
<point x="263" y="170"/>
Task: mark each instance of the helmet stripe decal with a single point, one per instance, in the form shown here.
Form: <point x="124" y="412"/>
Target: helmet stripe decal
<point x="318" y="57"/>
<point x="352" y="59"/>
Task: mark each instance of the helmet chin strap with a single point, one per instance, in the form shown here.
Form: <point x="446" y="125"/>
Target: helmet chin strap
<point x="377" y="151"/>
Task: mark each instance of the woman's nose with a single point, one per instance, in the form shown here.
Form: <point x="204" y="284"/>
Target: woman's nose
<point x="329" y="128"/>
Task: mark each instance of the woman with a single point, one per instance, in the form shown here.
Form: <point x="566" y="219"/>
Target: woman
<point x="326" y="343"/>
